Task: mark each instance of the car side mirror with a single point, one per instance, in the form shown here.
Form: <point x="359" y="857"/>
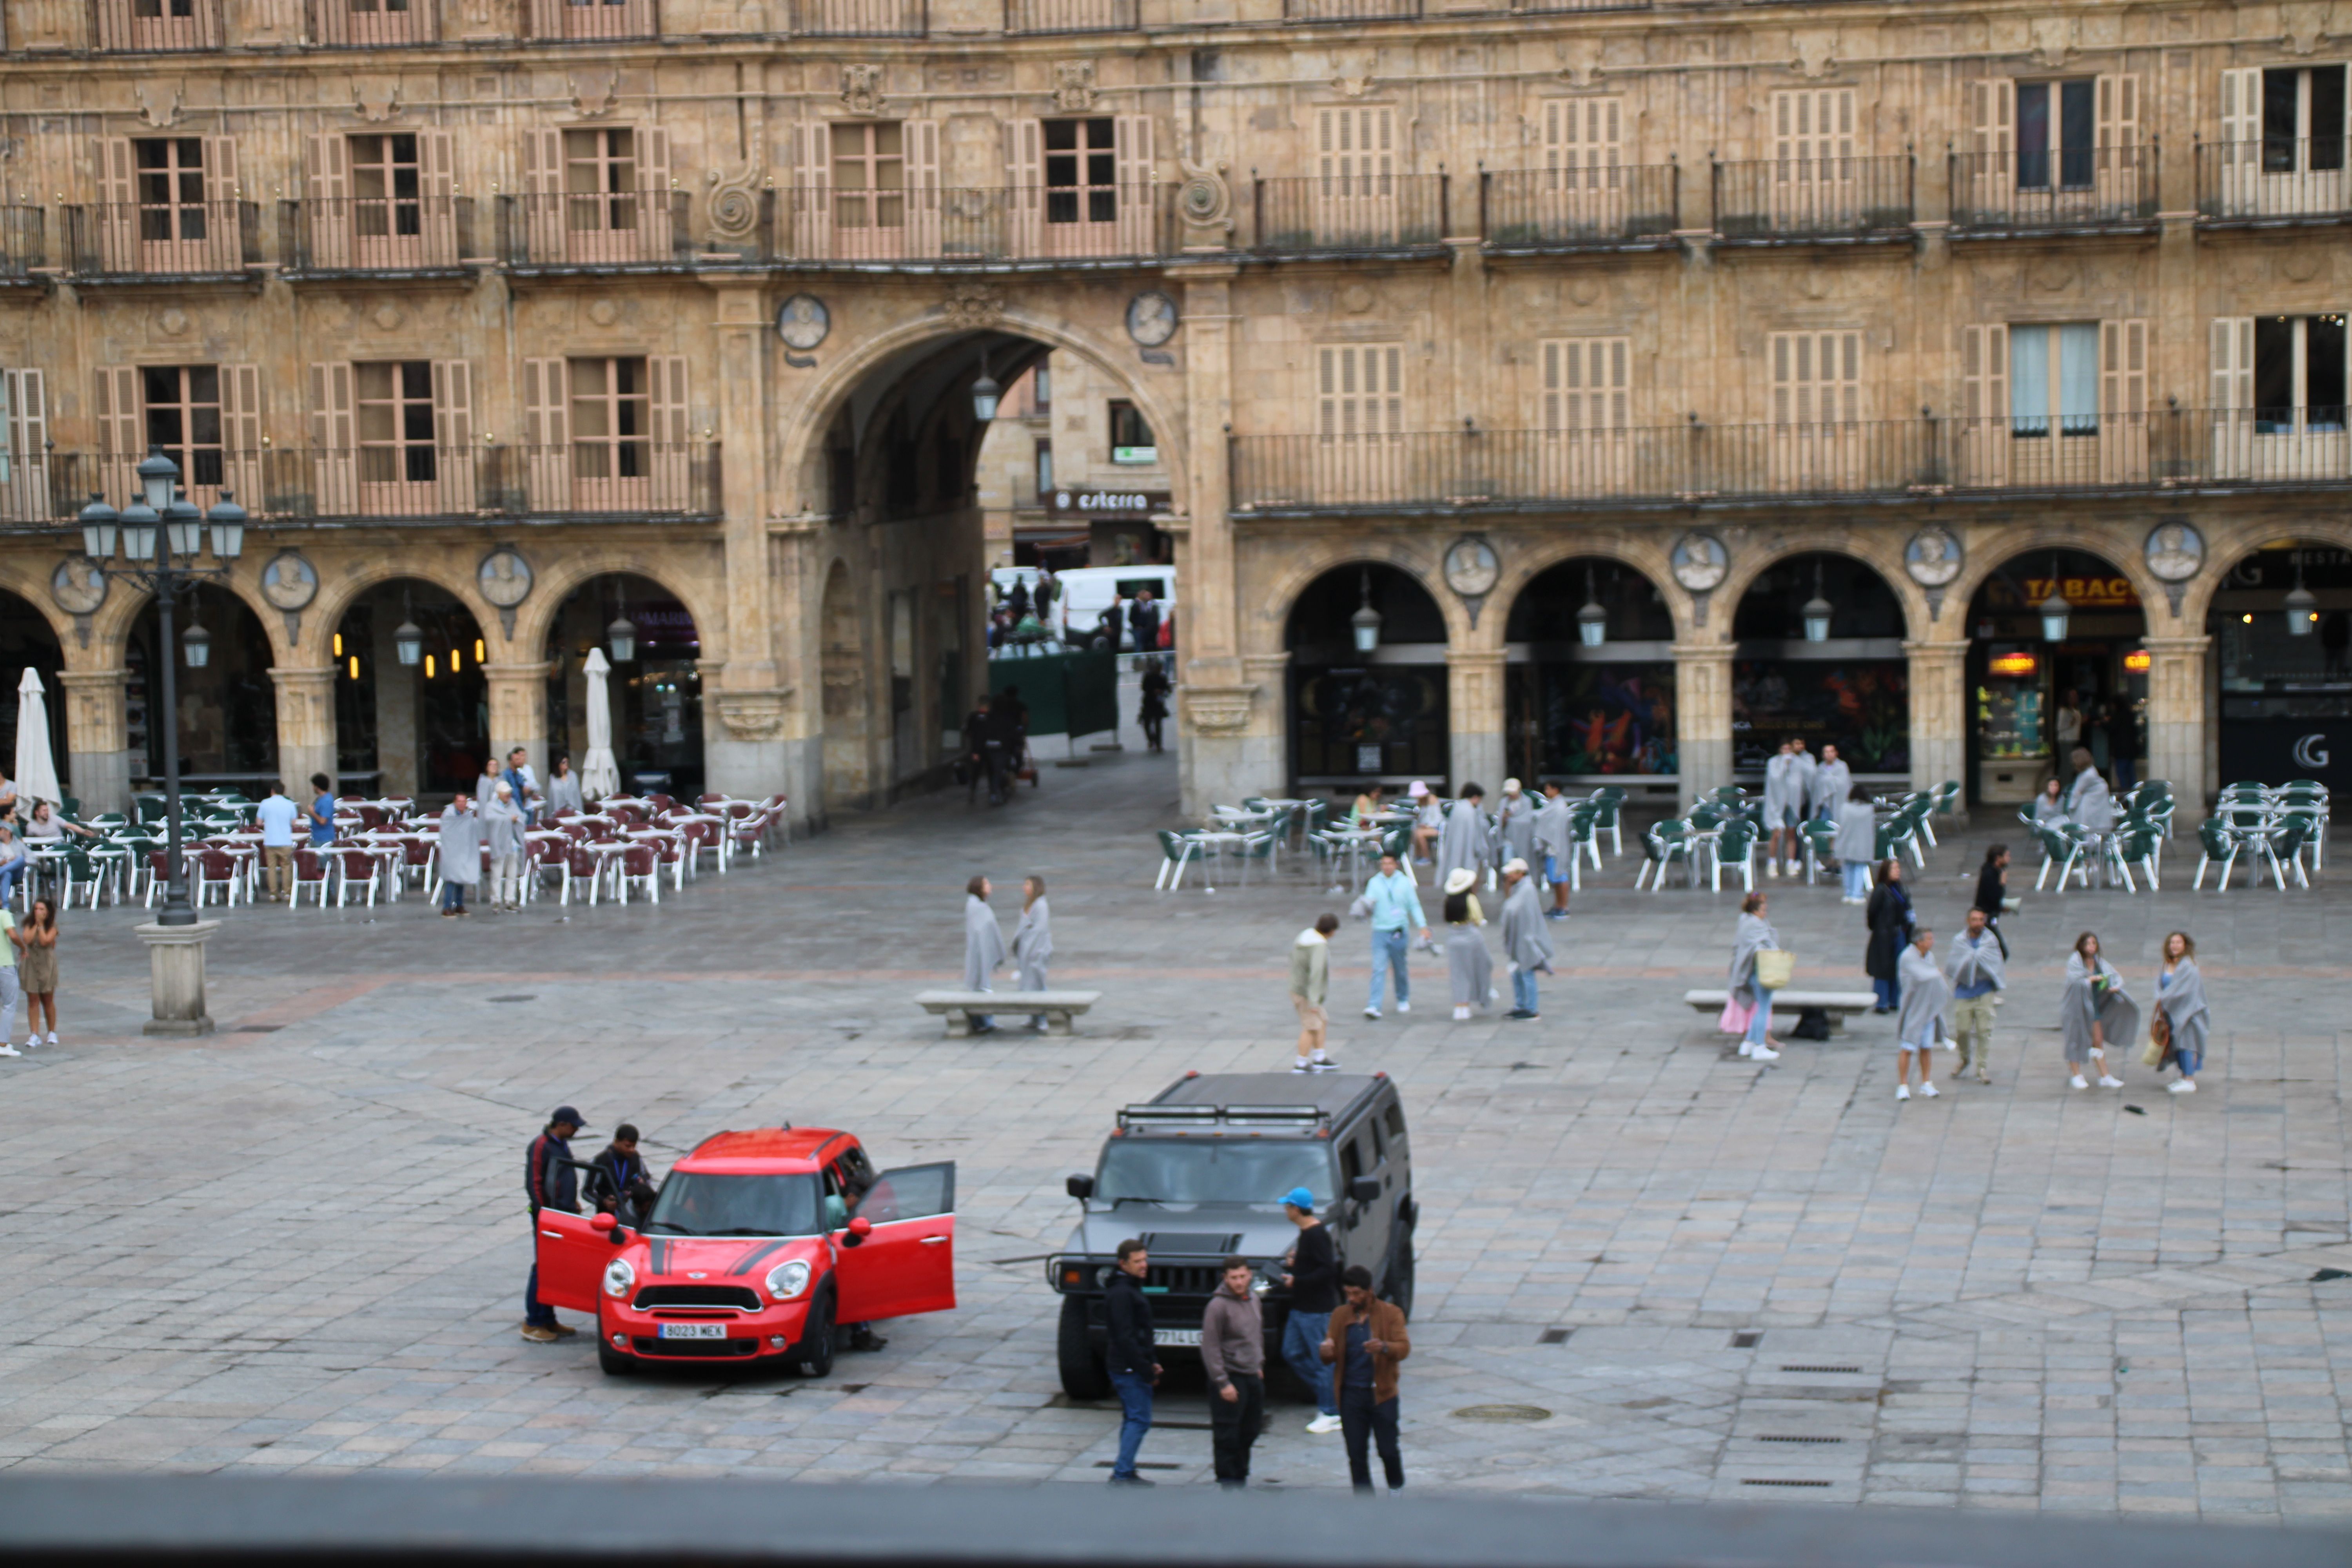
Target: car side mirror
<point x="603" y="1222"/>
<point x="1079" y="1187"/>
<point x="1365" y="1189"/>
<point x="856" y="1231"/>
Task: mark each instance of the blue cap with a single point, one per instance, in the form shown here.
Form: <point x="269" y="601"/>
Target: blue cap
<point x="1299" y="1198"/>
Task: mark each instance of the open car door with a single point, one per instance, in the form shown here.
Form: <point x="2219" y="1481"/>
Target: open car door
<point x="906" y="1263"/>
<point x="571" y="1259"/>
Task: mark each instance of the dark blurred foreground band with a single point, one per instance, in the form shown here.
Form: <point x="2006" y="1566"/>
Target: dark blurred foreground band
<point x="205" y="1520"/>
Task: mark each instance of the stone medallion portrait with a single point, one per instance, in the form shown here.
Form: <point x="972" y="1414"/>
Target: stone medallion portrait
<point x="1933" y="557"/>
<point x="78" y="586"/>
<point x="288" y="582"/>
<point x="2176" y="552"/>
<point x="803" y="321"/>
<point x="1700" y="563"/>
<point x="504" y="577"/>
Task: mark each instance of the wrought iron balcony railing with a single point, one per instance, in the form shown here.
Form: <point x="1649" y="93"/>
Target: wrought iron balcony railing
<point x="589" y="21"/>
<point x="154" y="27"/>
<point x="1815" y="199"/>
<point x="600" y="230"/>
<point x="1071" y="15"/>
<point x="375" y="234"/>
<point x="122" y="240"/>
<point x="1004" y="223"/>
<point x="2082" y="188"/>
<point x="374" y="24"/>
<point x="1353" y="212"/>
<point x="2279" y="179"/>
<point x="861" y="18"/>
<point x="1568" y="209"/>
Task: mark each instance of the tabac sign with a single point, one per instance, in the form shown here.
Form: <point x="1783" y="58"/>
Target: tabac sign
<point x="2093" y="593"/>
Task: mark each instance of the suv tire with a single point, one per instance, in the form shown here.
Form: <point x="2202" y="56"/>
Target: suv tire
<point x="1399" y="1291"/>
<point x="1082" y="1371"/>
<point x="812" y="1357"/>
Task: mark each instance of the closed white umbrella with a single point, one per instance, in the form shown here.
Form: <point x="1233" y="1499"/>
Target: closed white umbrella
<point x="599" y="775"/>
<point x="37" y="770"/>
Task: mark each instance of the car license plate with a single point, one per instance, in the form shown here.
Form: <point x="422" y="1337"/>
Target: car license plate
<point x="708" y="1332"/>
<point x="1176" y="1337"/>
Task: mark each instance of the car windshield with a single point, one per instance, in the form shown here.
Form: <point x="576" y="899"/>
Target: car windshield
<point x="1211" y="1171"/>
<point x="697" y="1203"/>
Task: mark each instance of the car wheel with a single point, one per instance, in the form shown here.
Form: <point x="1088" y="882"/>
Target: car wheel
<point x="1082" y="1371"/>
<point x="813" y="1357"/>
<point x="615" y="1363"/>
<point x="1400" y="1283"/>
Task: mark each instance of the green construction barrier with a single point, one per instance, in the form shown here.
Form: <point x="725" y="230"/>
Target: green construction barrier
<point x="1073" y="692"/>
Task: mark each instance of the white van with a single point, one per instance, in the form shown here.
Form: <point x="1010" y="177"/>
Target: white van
<point x="1086" y="592"/>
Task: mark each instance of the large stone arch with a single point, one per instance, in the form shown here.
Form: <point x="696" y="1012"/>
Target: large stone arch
<point x="1989" y="551"/>
<point x="1643" y="554"/>
<point x="1272" y="608"/>
<point x="804" y="437"/>
<point x="111" y="626"/>
<point x="2224" y="548"/>
<point x="340" y="591"/>
<point x="1881" y="555"/>
<point x="556" y="582"/>
<point x="29" y="581"/>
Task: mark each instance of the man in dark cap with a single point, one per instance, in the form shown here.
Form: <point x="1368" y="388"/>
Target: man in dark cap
<point x="548" y="1182"/>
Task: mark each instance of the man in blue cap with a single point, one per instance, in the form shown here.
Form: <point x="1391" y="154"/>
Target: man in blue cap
<point x="548" y="1182"/>
<point x="1314" y="1285"/>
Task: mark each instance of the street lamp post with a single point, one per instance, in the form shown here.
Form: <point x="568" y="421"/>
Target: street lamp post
<point x="162" y="532"/>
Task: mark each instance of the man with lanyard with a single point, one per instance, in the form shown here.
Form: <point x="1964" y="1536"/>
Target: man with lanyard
<point x="1975" y="972"/>
<point x="1396" y="910"/>
<point x="526" y="788"/>
<point x="548" y="1182"/>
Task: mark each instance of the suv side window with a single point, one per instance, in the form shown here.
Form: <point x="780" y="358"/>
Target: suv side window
<point x="1395" y="1118"/>
<point x="1379" y="1146"/>
<point x="1351" y="1162"/>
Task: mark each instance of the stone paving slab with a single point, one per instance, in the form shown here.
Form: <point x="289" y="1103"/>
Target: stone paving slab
<point x="299" y="1244"/>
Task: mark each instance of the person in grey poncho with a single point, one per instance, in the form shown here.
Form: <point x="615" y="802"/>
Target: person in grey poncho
<point x="1526" y="944"/>
<point x="1856" y="843"/>
<point x="984" y="948"/>
<point x="1833" y="782"/>
<point x="1753" y="935"/>
<point x="1924" y="1019"/>
<point x="2181" y="992"/>
<point x="1032" y="941"/>
<point x="2091" y="804"/>
<point x="1514" y="825"/>
<point x="460" y="850"/>
<point x="502" y="825"/>
<point x="1463" y="844"/>
<point x="1467" y="962"/>
<point x="2093" y="1012"/>
<point x="1978" y="978"/>
<point x="1555" y="836"/>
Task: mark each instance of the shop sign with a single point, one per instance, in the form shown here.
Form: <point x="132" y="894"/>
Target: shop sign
<point x="1077" y="502"/>
<point x="2013" y="666"/>
<point x="2139" y="661"/>
<point x="2273" y="751"/>
<point x="2085" y="593"/>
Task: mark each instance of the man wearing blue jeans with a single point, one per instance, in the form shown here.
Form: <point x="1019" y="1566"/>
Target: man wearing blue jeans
<point x="1132" y="1356"/>
<point x="1396" y="912"/>
<point x="548" y="1183"/>
<point x="1314" y="1285"/>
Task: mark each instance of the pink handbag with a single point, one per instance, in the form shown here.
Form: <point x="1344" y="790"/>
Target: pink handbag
<point x="1736" y="1015"/>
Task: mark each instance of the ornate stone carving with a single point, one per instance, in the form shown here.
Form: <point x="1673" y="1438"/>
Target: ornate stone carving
<point x="2055" y="40"/>
<point x="1074" y="86"/>
<point x="1217" y="709"/>
<point x="161" y="117"/>
<point x="733" y="202"/>
<point x="375" y="102"/>
<point x="2305" y="25"/>
<point x="755" y="715"/>
<point x="1352" y="86"/>
<point x="861" y="89"/>
<point x="1815" y="50"/>
<point x="1579" y="62"/>
<point x="973" y="304"/>
<point x="593" y="100"/>
<point x="1204" y="201"/>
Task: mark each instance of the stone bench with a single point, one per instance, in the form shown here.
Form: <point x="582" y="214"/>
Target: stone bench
<point x="961" y="1007"/>
<point x="1839" y="1006"/>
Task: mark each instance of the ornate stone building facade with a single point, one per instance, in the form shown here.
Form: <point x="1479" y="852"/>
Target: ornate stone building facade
<point x="1665" y="378"/>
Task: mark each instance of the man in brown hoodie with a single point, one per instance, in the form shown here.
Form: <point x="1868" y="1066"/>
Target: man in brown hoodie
<point x="1366" y="1340"/>
<point x="1232" y="1351"/>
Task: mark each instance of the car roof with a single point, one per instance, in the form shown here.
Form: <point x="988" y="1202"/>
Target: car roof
<point x="760" y="1150"/>
<point x="1333" y="1093"/>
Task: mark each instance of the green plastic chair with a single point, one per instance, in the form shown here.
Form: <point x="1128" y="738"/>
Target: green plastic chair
<point x="1736" y="844"/>
<point x="2217" y="843"/>
<point x="1608" y="808"/>
<point x="1663" y="843"/>
<point x="1821" y="844"/>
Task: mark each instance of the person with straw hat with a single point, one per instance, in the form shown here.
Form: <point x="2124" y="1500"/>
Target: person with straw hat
<point x="1526" y="943"/>
<point x="1467" y="961"/>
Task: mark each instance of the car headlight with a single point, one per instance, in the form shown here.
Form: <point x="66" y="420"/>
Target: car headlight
<point x="786" y="1281"/>
<point x="619" y="1278"/>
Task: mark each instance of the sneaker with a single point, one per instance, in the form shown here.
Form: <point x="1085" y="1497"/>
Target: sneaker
<point x="1322" y="1426"/>
<point x="1764" y="1054"/>
<point x="540" y="1336"/>
<point x="9" y="1050"/>
<point x="1300" y="1066"/>
<point x="1323" y="1064"/>
<point x="1747" y="1047"/>
<point x="2077" y="1081"/>
<point x="1983" y="1077"/>
<point x="1118" y="1480"/>
<point x="52" y="1037"/>
<point x="1404" y="1007"/>
<point x="2185" y="1086"/>
<point x="565" y="1332"/>
<point x="1772" y="868"/>
<point x="2107" y="1082"/>
<point x="1519" y="1013"/>
<point x="1901" y="1091"/>
<point x="1462" y="1014"/>
<point x="1928" y="1089"/>
<point x="1371" y="1013"/>
<point x="1555" y="914"/>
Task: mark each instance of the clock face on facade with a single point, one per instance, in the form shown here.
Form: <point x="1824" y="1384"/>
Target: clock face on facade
<point x="1472" y="567"/>
<point x="1151" y="318"/>
<point x="1700" y="562"/>
<point x="803" y="321"/>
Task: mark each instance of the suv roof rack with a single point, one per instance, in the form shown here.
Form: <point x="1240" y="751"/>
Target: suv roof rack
<point x="1303" y="1117"/>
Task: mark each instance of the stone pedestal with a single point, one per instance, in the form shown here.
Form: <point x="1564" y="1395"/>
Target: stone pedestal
<point x="175" y="958"/>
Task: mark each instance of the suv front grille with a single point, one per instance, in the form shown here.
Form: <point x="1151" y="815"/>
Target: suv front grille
<point x="1184" y="1278"/>
<point x="740" y="1297"/>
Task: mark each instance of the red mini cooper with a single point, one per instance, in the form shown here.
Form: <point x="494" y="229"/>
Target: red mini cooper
<point x="759" y="1245"/>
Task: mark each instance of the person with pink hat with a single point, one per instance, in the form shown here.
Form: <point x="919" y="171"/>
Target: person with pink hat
<point x="1428" y="821"/>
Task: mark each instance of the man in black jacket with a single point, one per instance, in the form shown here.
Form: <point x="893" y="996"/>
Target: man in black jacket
<point x="623" y="1186"/>
<point x="1314" y="1285"/>
<point x="548" y="1183"/>
<point x="1132" y="1357"/>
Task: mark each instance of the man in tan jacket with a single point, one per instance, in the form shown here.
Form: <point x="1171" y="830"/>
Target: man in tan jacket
<point x="1233" y="1353"/>
<point x="1366" y="1340"/>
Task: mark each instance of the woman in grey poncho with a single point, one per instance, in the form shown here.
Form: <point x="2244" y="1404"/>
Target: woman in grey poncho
<point x="984" y="948"/>
<point x="2181" y="992"/>
<point x="1856" y="843"/>
<point x="1753" y="935"/>
<point x="1467" y="962"/>
<point x="1925" y="1016"/>
<point x="460" y="850"/>
<point x="2093" y="1012"/>
<point x="1032" y="941"/>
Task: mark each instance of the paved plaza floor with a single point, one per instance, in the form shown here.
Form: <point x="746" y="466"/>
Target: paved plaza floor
<point x="298" y="1245"/>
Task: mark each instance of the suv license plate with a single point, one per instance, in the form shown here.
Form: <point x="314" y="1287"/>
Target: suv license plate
<point x="1176" y="1337"/>
<point x="708" y="1332"/>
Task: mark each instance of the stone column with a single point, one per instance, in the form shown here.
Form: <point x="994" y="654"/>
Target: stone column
<point x="1939" y="712"/>
<point x="2176" y="715"/>
<point x="1474" y="715"/>
<point x="1215" y="695"/>
<point x="518" y="699"/>
<point x="746" y="750"/>
<point x="305" y="724"/>
<point x="396" y="753"/>
<point x="97" y="751"/>
<point x="1702" y="717"/>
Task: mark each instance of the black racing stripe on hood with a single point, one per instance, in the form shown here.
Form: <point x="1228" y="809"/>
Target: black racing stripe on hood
<point x="754" y="1258"/>
<point x="659" y="1255"/>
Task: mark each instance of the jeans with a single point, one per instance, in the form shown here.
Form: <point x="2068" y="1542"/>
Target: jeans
<point x="1890" y="994"/>
<point x="1388" y="953"/>
<point x="1857" y="879"/>
<point x="1302" y="1347"/>
<point x="1134" y="1403"/>
<point x="1364" y="1420"/>
<point x="2189" y="1059"/>
<point x="535" y="1312"/>
<point x="8" y="875"/>
<point x="453" y="895"/>
<point x="2123" y="771"/>
<point x="1523" y="990"/>
<point x="1762" y="1016"/>
<point x="1233" y="1426"/>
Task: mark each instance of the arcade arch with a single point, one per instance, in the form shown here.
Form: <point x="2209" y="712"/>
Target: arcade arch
<point x="1849" y="688"/>
<point x="1358" y="715"/>
<point x="411" y="706"/>
<point x="2032" y="698"/>
<point x="1580" y="709"/>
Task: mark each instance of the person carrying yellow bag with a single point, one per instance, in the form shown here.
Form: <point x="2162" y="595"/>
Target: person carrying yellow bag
<point x="1752" y="942"/>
